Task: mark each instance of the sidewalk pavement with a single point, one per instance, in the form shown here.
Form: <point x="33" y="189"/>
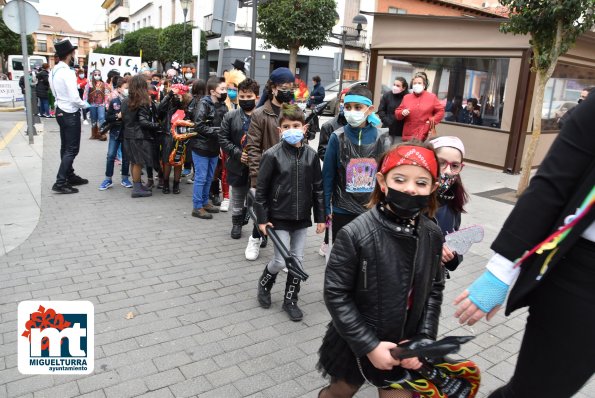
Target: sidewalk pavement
<point x="197" y="329"/>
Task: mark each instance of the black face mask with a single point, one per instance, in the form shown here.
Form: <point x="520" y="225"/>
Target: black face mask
<point x="222" y="97"/>
<point x="405" y="205"/>
<point x="580" y="100"/>
<point x="284" y="96"/>
<point x="247" y="105"/>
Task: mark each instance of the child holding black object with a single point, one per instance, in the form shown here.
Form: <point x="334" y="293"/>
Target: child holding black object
<point x="383" y="282"/>
<point x="288" y="189"/>
<point x="232" y="139"/>
<point x="349" y="169"/>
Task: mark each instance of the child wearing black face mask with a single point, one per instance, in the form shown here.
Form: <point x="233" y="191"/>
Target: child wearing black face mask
<point x="232" y="139"/>
<point x="452" y="196"/>
<point x="205" y="146"/>
<point x="383" y="282"/>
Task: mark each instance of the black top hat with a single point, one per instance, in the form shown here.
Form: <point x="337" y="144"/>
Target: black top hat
<point x="64" y="47"/>
<point x="238" y="64"/>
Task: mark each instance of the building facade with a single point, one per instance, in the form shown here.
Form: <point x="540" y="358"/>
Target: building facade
<point x="118" y="14"/>
<point x="470" y="58"/>
<point x="53" y="29"/>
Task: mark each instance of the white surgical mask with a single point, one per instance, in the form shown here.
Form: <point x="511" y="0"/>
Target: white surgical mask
<point x="397" y="90"/>
<point x="188" y="75"/>
<point x="355" y="118"/>
<point x="81" y="75"/>
<point x="418" y="88"/>
<point x="125" y="92"/>
<point x="96" y="77"/>
<point x="302" y="105"/>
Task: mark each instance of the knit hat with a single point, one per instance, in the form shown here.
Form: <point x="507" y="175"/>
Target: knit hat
<point x="282" y="75"/>
<point x="451" y="141"/>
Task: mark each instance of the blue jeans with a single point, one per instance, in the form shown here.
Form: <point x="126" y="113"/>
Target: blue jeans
<point x="204" y="169"/>
<point x="44" y="106"/>
<point x="70" y="142"/>
<point x="97" y="114"/>
<point x="112" y="149"/>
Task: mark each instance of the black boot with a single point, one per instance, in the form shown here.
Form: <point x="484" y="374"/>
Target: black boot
<point x="236" y="227"/>
<point x="292" y="288"/>
<point x="265" y="284"/>
<point x="165" y="188"/>
<point x="176" y="187"/>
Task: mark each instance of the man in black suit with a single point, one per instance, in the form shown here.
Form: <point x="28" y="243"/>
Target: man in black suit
<point x="557" y="354"/>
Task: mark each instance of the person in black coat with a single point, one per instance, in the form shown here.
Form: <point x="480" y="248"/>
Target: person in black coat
<point x="383" y="283"/>
<point x="388" y="103"/>
<point x="557" y="282"/>
<point x="43" y="90"/>
<point x="232" y="139"/>
<point x="139" y="131"/>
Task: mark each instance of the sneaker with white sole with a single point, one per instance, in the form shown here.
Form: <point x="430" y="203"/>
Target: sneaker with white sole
<point x="323" y="249"/>
<point x="190" y="178"/>
<point x="224" y="205"/>
<point x="107" y="183"/>
<point x="85" y="122"/>
<point x="253" y="248"/>
<point x="126" y="183"/>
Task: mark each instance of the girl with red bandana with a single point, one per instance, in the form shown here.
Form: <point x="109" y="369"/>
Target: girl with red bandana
<point x="383" y="282"/>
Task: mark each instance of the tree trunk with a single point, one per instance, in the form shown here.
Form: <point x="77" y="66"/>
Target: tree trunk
<point x="542" y="78"/>
<point x="293" y="52"/>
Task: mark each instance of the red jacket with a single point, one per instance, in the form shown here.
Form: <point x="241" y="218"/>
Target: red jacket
<point x="422" y="108"/>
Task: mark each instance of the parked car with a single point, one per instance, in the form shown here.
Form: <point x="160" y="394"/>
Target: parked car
<point x="332" y="90"/>
<point x="15" y="65"/>
<point x="556" y="109"/>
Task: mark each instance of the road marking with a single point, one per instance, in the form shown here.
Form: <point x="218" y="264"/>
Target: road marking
<point x="11" y="134"/>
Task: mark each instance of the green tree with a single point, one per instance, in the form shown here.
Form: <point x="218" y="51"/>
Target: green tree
<point x="172" y="42"/>
<point x="131" y="45"/>
<point x="291" y="24"/>
<point x="10" y="44"/>
<point x="554" y="26"/>
<point x="148" y="43"/>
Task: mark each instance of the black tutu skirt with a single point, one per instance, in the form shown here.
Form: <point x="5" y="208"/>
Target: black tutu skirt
<point x="139" y="151"/>
<point x="337" y="361"/>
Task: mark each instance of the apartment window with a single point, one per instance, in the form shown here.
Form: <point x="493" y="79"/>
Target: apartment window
<point x="149" y="20"/>
<point x="160" y="16"/>
<point x="42" y="46"/>
<point x="144" y="22"/>
<point x="455" y="81"/>
<point x="395" y="10"/>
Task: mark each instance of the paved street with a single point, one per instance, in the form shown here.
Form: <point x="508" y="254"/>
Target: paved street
<point x="197" y="329"/>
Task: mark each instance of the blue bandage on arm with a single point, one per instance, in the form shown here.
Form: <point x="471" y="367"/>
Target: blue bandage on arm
<point x="487" y="292"/>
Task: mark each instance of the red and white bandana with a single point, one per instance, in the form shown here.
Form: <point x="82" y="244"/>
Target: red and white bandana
<point x="411" y="155"/>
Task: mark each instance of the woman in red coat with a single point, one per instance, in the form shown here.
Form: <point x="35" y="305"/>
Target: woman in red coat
<point x="419" y="109"/>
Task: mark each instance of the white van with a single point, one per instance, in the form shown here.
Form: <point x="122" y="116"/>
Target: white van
<point x="15" y="65"/>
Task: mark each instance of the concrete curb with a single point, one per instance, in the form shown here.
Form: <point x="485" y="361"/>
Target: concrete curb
<point x="15" y="109"/>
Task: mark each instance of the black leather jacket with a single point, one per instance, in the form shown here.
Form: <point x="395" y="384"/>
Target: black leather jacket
<point x="289" y="185"/>
<point x="230" y="140"/>
<point x="139" y="123"/>
<point x="207" y="117"/>
<point x="372" y="270"/>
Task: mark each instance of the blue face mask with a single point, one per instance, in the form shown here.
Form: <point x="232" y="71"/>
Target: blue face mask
<point x="292" y="136"/>
<point x="232" y="94"/>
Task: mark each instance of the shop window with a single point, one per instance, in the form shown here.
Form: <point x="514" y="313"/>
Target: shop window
<point x="455" y="81"/>
<point x="562" y="92"/>
<point x="395" y="10"/>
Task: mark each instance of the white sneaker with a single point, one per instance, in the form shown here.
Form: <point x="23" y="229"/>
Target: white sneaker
<point x="190" y="178"/>
<point x="85" y="122"/>
<point x="253" y="248"/>
<point x="224" y="205"/>
<point x="323" y="249"/>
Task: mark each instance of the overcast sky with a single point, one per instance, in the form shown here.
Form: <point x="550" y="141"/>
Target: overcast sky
<point x="83" y="15"/>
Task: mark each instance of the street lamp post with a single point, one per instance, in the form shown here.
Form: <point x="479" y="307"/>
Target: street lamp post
<point x="359" y="20"/>
<point x="185" y="5"/>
